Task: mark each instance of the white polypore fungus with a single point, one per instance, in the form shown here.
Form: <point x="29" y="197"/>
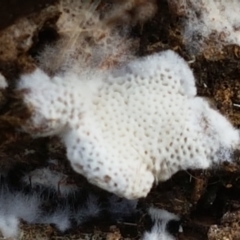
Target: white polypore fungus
<point x="162" y="225"/>
<point x="218" y="19"/>
<point x="132" y="125"/>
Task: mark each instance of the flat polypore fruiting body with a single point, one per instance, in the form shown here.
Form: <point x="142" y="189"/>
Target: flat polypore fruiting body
<point x="127" y="127"/>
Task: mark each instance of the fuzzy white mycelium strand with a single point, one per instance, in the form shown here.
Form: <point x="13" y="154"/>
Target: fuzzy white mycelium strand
<point x="44" y="177"/>
<point x="17" y="205"/>
<point x="44" y="206"/>
<point x="121" y="208"/>
<point x="217" y="18"/>
<point x="87" y="39"/>
<point x="13" y="207"/>
<point x="91" y="209"/>
<point x="132" y="125"/>
<point x="163" y="225"/>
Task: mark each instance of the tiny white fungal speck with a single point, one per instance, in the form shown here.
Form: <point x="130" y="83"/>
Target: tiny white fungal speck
<point x="3" y="82"/>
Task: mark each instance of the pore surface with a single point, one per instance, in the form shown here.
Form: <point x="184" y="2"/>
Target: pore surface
<point x="127" y="127"/>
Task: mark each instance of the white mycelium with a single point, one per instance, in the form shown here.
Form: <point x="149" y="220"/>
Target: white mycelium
<point x="126" y="127"/>
<point x="17" y="205"/>
<point x="40" y="203"/>
<point x="47" y="178"/>
<point x="163" y="226"/>
<point x="218" y="19"/>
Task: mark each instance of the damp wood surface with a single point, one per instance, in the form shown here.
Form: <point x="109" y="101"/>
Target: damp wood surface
<point x="201" y="198"/>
